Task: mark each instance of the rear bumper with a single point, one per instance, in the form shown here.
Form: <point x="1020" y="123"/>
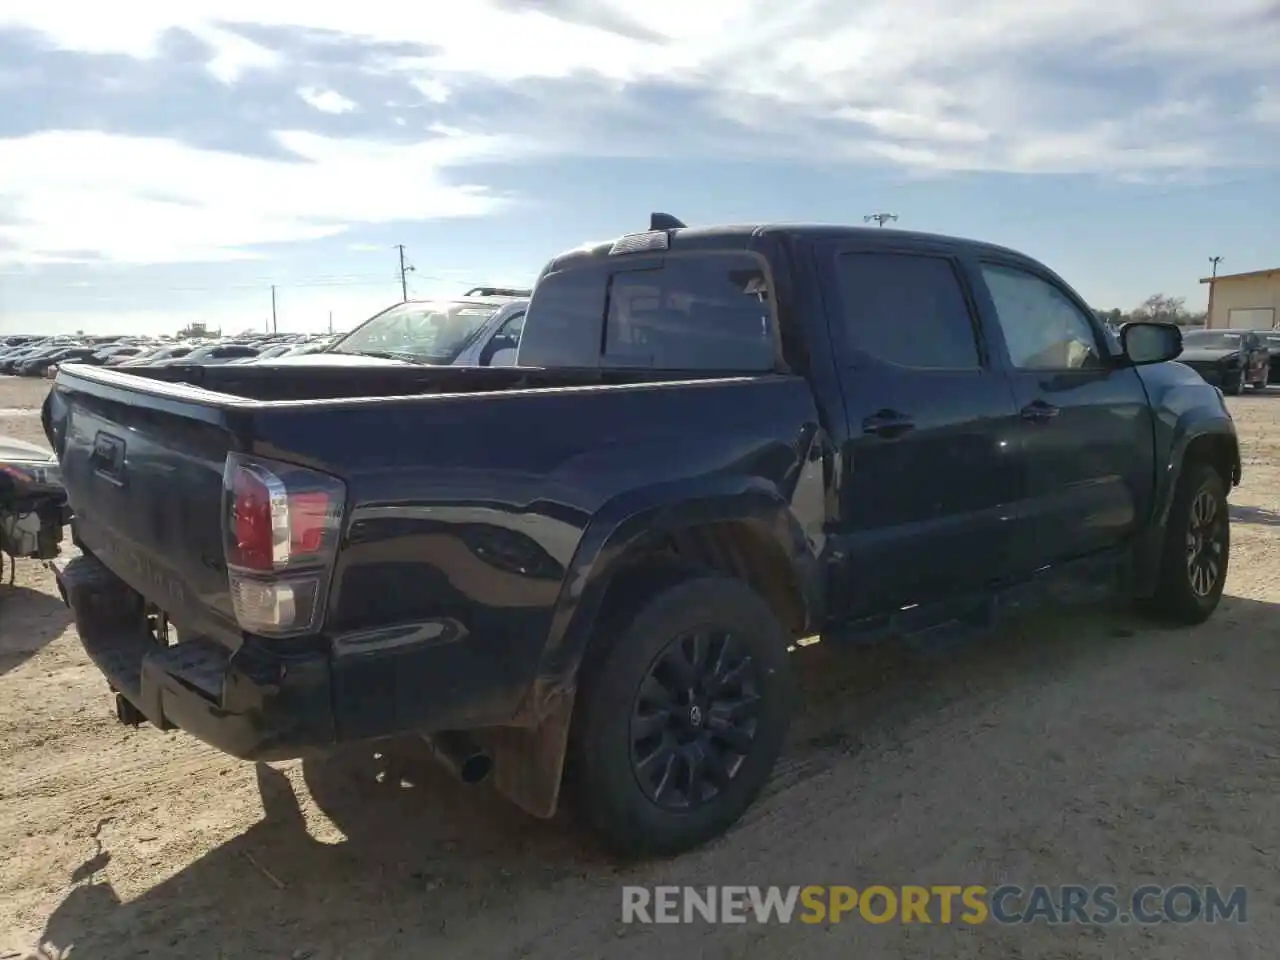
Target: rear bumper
<point x="253" y="703"/>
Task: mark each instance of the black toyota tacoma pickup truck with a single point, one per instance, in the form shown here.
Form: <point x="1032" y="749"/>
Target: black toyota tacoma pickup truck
<point x="591" y="567"/>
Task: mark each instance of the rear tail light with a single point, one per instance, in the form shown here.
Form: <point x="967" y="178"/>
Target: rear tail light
<point x="281" y="528"/>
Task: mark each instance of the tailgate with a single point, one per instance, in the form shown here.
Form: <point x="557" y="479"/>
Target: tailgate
<point x="142" y="462"/>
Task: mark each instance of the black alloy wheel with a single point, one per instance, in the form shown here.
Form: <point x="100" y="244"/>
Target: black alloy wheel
<point x="694" y="719"/>
<point x="1197" y="548"/>
<point x="684" y="702"/>
<point x="1206" y="543"/>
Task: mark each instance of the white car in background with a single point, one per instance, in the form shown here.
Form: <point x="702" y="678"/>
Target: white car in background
<point x="474" y="330"/>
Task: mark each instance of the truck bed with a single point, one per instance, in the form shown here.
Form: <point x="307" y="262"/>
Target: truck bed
<point x="143" y="460"/>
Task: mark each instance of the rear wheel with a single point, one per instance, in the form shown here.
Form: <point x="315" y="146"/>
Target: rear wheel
<point x="1193" y="571"/>
<point x="683" y="718"/>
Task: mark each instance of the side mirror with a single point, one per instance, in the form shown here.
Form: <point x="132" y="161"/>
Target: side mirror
<point x="1145" y="341"/>
<point x="504" y="358"/>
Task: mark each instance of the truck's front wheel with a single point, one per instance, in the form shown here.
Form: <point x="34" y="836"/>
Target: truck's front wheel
<point x="1197" y="548"/>
<point x="681" y="721"/>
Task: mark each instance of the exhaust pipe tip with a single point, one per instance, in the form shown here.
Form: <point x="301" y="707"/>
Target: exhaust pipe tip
<point x="476" y="768"/>
<point x="460" y="754"/>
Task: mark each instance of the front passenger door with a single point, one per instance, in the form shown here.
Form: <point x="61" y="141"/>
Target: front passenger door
<point x="1087" y="431"/>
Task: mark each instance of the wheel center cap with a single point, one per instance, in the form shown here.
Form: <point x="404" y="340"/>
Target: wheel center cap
<point x="695" y="716"/>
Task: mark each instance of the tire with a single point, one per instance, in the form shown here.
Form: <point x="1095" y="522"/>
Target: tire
<point x="1182" y="595"/>
<point x="618" y="743"/>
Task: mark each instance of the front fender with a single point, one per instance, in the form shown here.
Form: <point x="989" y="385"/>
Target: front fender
<point x="1190" y="427"/>
<point x="1187" y="410"/>
<point x="637" y="518"/>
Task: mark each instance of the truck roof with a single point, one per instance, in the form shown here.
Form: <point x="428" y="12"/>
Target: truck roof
<point x="739" y="236"/>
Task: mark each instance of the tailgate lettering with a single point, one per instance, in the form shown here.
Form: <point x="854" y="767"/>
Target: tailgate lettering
<point x="170" y="589"/>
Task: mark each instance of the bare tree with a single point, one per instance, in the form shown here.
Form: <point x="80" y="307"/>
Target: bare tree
<point x="1158" y="307"/>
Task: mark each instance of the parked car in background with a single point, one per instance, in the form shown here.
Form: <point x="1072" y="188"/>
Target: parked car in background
<point x="119" y="353"/>
<point x="1229" y="359"/>
<point x="463" y="332"/>
<point x="158" y="355"/>
<point x="38" y="365"/>
<point x="716" y="443"/>
<point x="217" y="353"/>
<point x="19" y="357"/>
<point x="267" y="353"/>
<point x="308" y="347"/>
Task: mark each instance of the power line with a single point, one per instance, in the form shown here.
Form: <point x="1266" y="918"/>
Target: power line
<point x="1136" y="199"/>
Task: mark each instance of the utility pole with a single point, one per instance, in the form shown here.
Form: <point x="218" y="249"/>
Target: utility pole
<point x="880" y="218"/>
<point x="1213" y="276"/>
<point x="274" y="327"/>
<point x="404" y="274"/>
<point x="331" y="321"/>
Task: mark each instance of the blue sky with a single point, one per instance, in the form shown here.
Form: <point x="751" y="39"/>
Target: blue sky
<point x="162" y="162"/>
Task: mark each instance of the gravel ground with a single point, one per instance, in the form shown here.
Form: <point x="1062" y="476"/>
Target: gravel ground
<point x="1088" y="748"/>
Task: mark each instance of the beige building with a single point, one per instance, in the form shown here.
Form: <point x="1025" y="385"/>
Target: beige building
<point x="1244" y="300"/>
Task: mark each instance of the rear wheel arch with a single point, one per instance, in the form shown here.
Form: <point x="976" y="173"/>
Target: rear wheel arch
<point x="748" y="532"/>
<point x="741" y="548"/>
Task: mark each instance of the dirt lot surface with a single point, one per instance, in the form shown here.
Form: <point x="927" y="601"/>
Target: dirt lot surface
<point x="1070" y="749"/>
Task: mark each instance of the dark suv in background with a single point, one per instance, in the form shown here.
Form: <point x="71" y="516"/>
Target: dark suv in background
<point x="1228" y="359"/>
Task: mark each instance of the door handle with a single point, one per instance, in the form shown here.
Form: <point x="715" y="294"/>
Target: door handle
<point x="888" y="424"/>
<point x="1039" y="411"/>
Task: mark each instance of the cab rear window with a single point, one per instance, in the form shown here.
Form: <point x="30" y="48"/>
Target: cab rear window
<point x="703" y="311"/>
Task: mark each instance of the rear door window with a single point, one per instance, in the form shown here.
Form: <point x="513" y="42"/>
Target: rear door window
<point x="908" y="310"/>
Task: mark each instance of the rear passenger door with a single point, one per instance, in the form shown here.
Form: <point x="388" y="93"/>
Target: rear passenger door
<point x="1086" y="429"/>
<point x="929" y="476"/>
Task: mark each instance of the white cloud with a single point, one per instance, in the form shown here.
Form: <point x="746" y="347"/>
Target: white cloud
<point x="433" y="90"/>
<point x="929" y="85"/>
<point x="136" y="200"/>
<point x="233" y="55"/>
<point x="327" y="101"/>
